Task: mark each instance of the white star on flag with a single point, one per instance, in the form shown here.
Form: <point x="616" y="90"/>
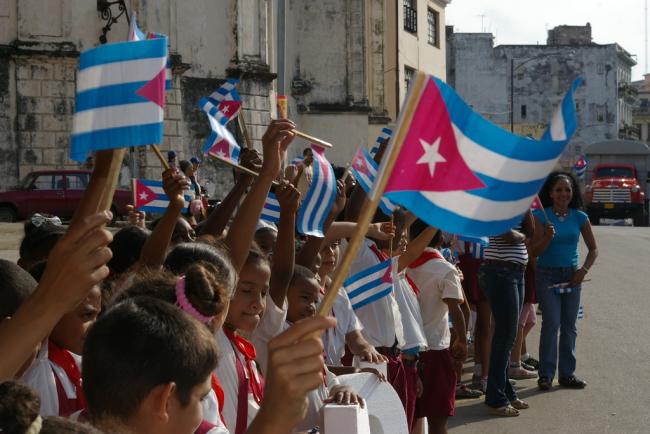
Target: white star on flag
<point x="144" y="196"/>
<point x="221" y="154"/>
<point x="431" y="155"/>
<point x="225" y="109"/>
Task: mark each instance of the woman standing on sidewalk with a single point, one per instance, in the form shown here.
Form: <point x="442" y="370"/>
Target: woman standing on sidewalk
<point x="558" y="277"/>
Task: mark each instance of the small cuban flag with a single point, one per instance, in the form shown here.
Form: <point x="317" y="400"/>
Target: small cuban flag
<point x="364" y="170"/>
<point x="271" y="210"/>
<point x="120" y="97"/>
<point x="580" y="166"/>
<point x="150" y="196"/>
<point x="461" y="173"/>
<point x="227" y="100"/>
<point x="320" y="197"/>
<point x="220" y="142"/>
<point x="386" y="134"/>
<point x="370" y="284"/>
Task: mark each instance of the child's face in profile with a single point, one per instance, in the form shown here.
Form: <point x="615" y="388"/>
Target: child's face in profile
<point x="249" y="302"/>
<point x="70" y="332"/>
<point x="186" y="419"/>
<point x="302" y="297"/>
<point x="329" y="255"/>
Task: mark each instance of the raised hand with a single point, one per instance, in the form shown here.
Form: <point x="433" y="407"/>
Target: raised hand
<point x="174" y="184"/>
<point x="275" y="141"/>
<point x="382" y="231"/>
<point x="136" y="218"/>
<point x="288" y="197"/>
<point x="339" y="202"/>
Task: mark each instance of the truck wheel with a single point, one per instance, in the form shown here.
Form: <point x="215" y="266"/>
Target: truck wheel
<point x="7" y="214"/>
<point x="640" y="218"/>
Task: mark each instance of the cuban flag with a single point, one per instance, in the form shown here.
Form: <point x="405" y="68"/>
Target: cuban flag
<point x="220" y="142"/>
<point x="386" y="133"/>
<point x="150" y="196"/>
<point x="537" y="204"/>
<point x="580" y="166"/>
<point x="271" y="210"/>
<point x="135" y="34"/>
<point x="320" y="197"/>
<point x="120" y="97"/>
<point x="370" y="285"/>
<point x="364" y="170"/>
<point x="463" y="174"/>
<point x="227" y="100"/>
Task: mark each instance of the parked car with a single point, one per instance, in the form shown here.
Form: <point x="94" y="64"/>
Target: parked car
<point x="56" y="192"/>
<point x="617" y="187"/>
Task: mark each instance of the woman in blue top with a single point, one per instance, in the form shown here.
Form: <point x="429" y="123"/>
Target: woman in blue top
<point x="556" y="245"/>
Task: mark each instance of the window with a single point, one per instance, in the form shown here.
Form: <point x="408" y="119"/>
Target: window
<point x="48" y="182"/>
<point x="433" y="37"/>
<point x="524" y="111"/>
<point x="77" y="182"/>
<point x="409" y="74"/>
<point x="410" y="16"/>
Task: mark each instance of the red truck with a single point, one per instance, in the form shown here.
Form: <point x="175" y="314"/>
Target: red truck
<point x="56" y="192"/>
<point x="617" y="187"/>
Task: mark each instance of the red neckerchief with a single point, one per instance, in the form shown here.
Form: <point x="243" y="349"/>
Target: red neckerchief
<point x="218" y="390"/>
<point x="414" y="287"/>
<point x="425" y="257"/>
<point x="247" y="349"/>
<point x="380" y="255"/>
<point x="64" y="359"/>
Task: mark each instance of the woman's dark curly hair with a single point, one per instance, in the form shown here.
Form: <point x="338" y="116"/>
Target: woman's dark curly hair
<point x="549" y="184"/>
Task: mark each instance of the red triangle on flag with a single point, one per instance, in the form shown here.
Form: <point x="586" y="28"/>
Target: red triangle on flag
<point x="154" y="90"/>
<point x="229" y="108"/>
<point x="143" y="194"/>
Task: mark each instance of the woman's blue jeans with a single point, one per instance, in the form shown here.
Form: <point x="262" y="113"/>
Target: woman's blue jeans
<point x="504" y="288"/>
<point x="559" y="313"/>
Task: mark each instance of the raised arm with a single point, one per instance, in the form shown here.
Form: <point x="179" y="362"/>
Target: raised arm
<point x="154" y="250"/>
<point x="219" y="217"/>
<point x="285" y="249"/>
<point x="415" y="248"/>
<point x="240" y="236"/>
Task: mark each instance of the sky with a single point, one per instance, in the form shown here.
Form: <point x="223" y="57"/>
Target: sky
<point x="527" y="21"/>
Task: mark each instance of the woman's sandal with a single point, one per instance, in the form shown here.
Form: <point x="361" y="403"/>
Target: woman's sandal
<point x="505" y="411"/>
<point x="519" y="404"/>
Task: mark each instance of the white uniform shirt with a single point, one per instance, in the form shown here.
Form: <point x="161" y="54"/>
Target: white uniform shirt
<point x="346" y="322"/>
<point x="381" y="319"/>
<point x="410" y="312"/>
<point x="211" y="413"/>
<point x="270" y="324"/>
<point x="436" y="279"/>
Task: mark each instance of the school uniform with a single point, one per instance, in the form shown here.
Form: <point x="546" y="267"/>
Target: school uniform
<point x="212" y="406"/>
<point x="436" y="280"/>
<point x="346" y="322"/>
<point x="56" y="375"/>
<point x="239" y="372"/>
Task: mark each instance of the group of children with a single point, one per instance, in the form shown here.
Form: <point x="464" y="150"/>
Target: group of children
<point x="212" y="328"/>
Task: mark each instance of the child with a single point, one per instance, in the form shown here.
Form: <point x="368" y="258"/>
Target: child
<point x="38" y="242"/>
<point x="440" y="296"/>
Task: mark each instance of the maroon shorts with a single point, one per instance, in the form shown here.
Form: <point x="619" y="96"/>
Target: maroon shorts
<point x="411" y="376"/>
<point x="439" y="385"/>
<point x="469" y="265"/>
<point x="530" y="295"/>
<point x="397" y="379"/>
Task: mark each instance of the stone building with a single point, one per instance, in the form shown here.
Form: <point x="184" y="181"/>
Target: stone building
<point x="541" y="74"/>
<point x="641" y="113"/>
<point x="348" y="64"/>
<point x="209" y="40"/>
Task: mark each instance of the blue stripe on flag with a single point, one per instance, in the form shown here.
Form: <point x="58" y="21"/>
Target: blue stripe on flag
<point x="568" y="113"/>
<point x="105" y="96"/>
<point x="136" y="135"/>
<point x="122" y="52"/>
<point x="454" y="223"/>
<point x="505" y="191"/>
<point x="366" y="181"/>
<point x="363" y="288"/>
<point x="367" y="272"/>
<point x="492" y="137"/>
<point x="319" y="199"/>
<point x="375" y="297"/>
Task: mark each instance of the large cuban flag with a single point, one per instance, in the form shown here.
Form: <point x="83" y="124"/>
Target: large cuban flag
<point x="220" y="142"/>
<point x="463" y="174"/>
<point x="135" y="34"/>
<point x="120" y="97"/>
<point x="364" y="170"/>
<point x="320" y="197"/>
<point x="150" y="196"/>
<point x="370" y="284"/>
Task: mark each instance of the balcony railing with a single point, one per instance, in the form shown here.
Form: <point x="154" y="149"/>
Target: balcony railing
<point x="410" y="19"/>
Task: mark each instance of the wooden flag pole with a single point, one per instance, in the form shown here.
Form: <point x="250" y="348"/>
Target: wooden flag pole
<point x="368" y="212"/>
<point x="392" y="221"/>
<point x="236" y="166"/>
<point x="313" y="139"/>
<point x="242" y="126"/>
<point x="160" y="156"/>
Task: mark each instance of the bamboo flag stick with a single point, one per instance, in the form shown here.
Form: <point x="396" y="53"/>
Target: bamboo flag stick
<point x="244" y="130"/>
<point x="368" y="212"/>
<point x="236" y="166"/>
<point x="313" y="139"/>
<point x="160" y="156"/>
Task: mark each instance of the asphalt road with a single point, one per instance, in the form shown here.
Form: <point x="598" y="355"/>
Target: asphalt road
<point x="613" y="349"/>
<point x="613" y="352"/>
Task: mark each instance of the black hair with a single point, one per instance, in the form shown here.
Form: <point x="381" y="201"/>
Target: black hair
<point x="549" y="184"/>
<point x="420" y="226"/>
<point x="126" y="247"/>
<point x="184" y="165"/>
<point x="17" y="285"/>
<point x="38" y="242"/>
<point x="19" y="407"/>
<point x="184" y="255"/>
<point x="302" y="272"/>
<point x="140" y="344"/>
<point x="37" y="270"/>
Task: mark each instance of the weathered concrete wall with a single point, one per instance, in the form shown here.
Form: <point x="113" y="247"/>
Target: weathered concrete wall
<point x="481" y="75"/>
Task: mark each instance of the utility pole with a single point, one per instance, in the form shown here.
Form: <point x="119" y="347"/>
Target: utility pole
<point x="645" y="17"/>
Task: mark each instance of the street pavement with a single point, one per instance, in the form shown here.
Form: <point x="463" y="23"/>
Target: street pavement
<point x="613" y="353"/>
<point x="613" y="349"/>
